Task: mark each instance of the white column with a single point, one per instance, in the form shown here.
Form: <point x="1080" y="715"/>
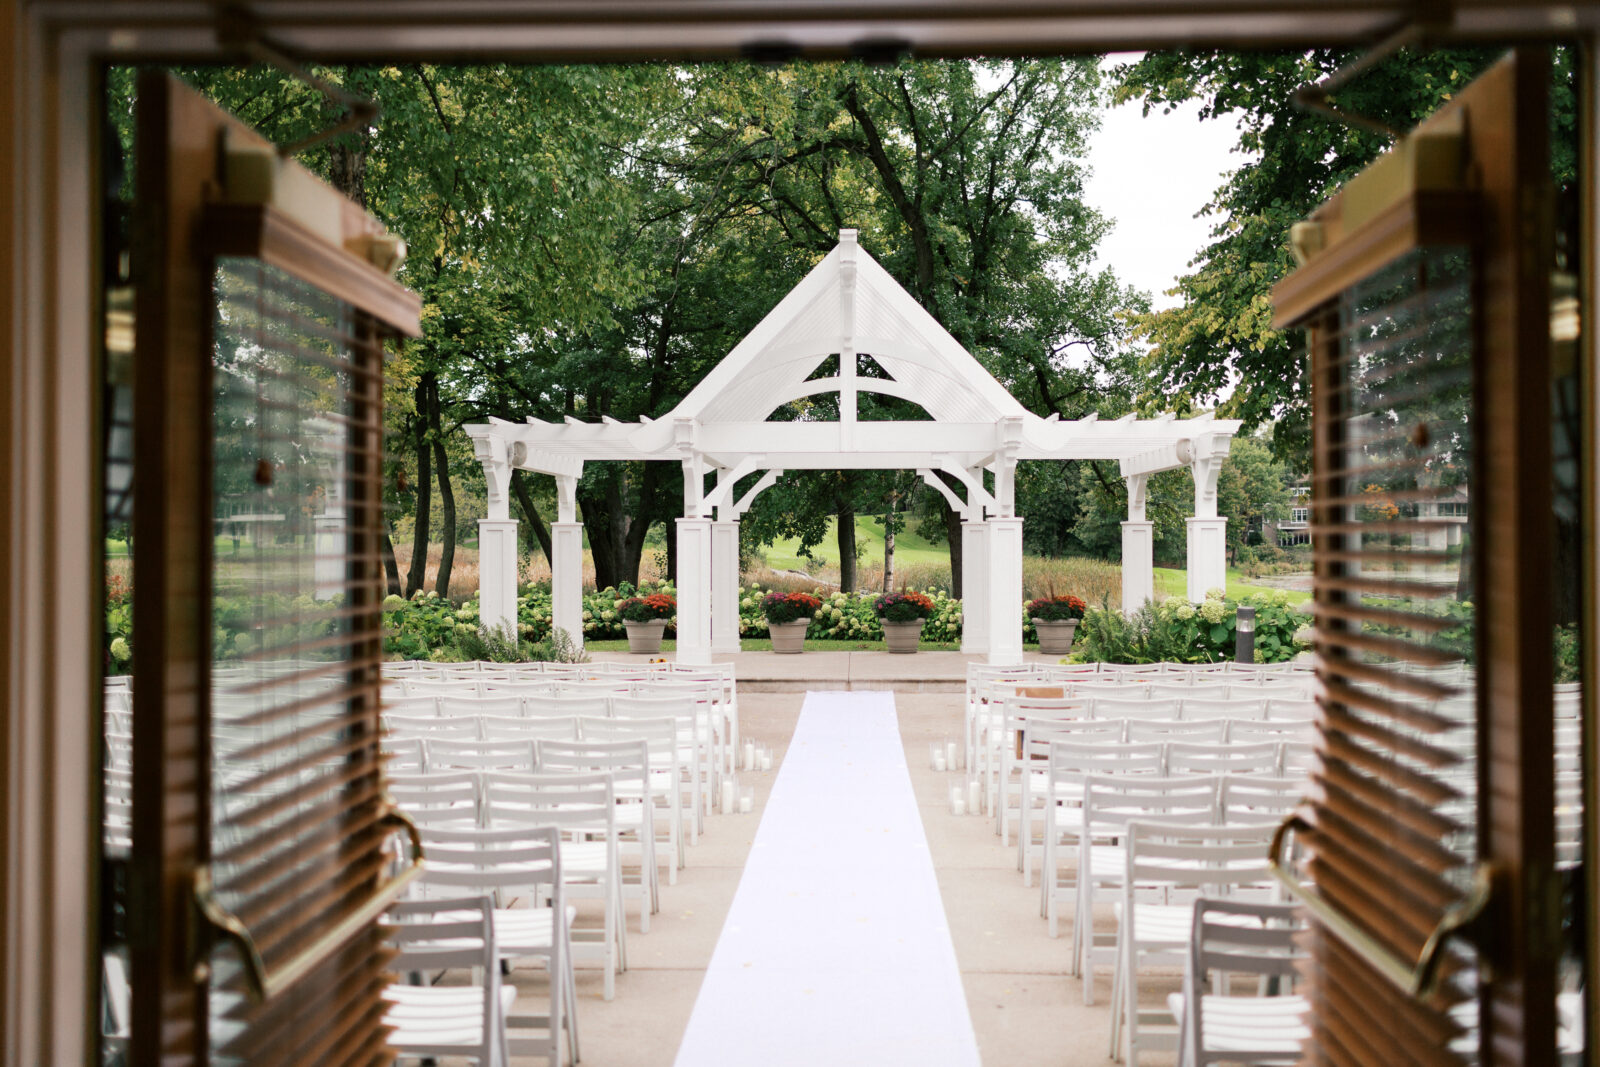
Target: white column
<point x="724" y="586"/>
<point x="497" y="575"/>
<point x="1208" y="556"/>
<point x="497" y="541"/>
<point x="1138" y="564"/>
<point x="694" y="591"/>
<point x="1005" y="590"/>
<point x="566" y="562"/>
<point x="566" y="579"/>
<point x="1138" y="548"/>
<point x="1208" y="533"/>
<point x="975" y="587"/>
<point x="329" y="544"/>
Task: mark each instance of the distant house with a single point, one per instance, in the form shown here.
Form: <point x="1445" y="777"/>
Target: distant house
<point x="1451" y="511"/>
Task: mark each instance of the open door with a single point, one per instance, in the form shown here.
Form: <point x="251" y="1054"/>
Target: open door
<point x="262" y="849"/>
<point x="1428" y="855"/>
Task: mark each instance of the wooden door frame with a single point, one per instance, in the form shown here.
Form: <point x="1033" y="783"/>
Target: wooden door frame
<point x="50" y="56"/>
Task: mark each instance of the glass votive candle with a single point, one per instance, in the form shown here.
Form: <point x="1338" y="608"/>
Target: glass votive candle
<point x="747" y="800"/>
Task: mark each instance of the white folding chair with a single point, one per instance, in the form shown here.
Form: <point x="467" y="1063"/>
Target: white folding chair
<point x="1271" y="730"/>
<point x="1069" y="765"/>
<point x="1034" y="737"/>
<point x="441" y="687"/>
<point x="1141" y="708"/>
<point x="455" y="707"/>
<point x="693" y="745"/>
<point x="1001" y="747"/>
<point x="667" y="769"/>
<point x="1230" y="938"/>
<point x="462" y="728"/>
<point x="583" y="806"/>
<point x="1254" y="799"/>
<point x="542" y="707"/>
<point x="429" y="1021"/>
<point x="411" y="706"/>
<point x="1293" y="709"/>
<point x="505" y="862"/>
<point x="628" y="763"/>
<point x="503" y="728"/>
<point x="1175" y="857"/>
<point x="1110" y="802"/>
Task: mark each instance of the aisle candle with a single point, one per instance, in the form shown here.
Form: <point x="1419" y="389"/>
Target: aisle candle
<point x="727" y="796"/>
<point x="958" y="800"/>
<point x="747" y="801"/>
<point x="974" y="796"/>
<point x="938" y="761"/>
<point x="950" y="755"/>
<point x="935" y="753"/>
<point x="749" y="755"/>
<point x="766" y="760"/>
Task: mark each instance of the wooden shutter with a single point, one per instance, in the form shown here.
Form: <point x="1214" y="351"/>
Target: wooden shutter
<point x="262" y="837"/>
<point x="1426" y="838"/>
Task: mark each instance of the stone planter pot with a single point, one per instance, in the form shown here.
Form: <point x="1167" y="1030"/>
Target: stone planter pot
<point x="902" y="636"/>
<point x="645" y="636"/>
<point x="788" y="638"/>
<point x="1055" y="635"/>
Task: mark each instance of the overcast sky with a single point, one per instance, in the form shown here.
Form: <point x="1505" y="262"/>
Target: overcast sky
<point x="1151" y="175"/>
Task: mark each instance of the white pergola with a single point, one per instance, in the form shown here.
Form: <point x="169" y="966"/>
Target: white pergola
<point x="847" y="305"/>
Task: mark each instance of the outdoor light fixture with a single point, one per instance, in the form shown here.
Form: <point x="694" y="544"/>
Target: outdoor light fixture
<point x="1244" y="649"/>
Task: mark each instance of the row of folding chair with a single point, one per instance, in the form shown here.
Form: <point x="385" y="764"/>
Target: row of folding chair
<point x="582" y="807"/>
<point x="703" y="731"/>
<point x="1217" y="744"/>
<point x="482" y="742"/>
<point x="992" y="732"/>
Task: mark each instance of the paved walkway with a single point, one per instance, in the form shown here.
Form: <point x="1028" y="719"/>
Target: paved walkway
<point x="836" y="948"/>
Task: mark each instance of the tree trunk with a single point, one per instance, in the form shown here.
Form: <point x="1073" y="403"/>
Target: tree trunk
<point x="952" y="534"/>
<point x="418" y="571"/>
<point x="447" y="495"/>
<point x="597" y="525"/>
<point x="536" y="529"/>
<point x="672" y="552"/>
<point x="638" y="525"/>
<point x="391" y="569"/>
<point x="846" y="513"/>
<point x="888" y="549"/>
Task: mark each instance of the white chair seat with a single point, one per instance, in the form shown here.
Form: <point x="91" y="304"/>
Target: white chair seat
<point x="1255" y="1025"/>
<point x="440" y="1017"/>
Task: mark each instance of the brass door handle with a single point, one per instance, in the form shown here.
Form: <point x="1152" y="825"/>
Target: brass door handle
<point x="263" y="983"/>
<point x="1417" y="978"/>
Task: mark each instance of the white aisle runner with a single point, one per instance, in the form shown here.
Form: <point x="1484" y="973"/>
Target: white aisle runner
<point x="835" y="950"/>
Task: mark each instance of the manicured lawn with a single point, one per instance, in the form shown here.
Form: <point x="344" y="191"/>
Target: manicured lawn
<point x="908" y="548"/>
<point x="1173" y="582"/>
<point x="762" y="644"/>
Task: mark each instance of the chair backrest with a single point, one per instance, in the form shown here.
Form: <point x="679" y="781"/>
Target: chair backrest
<point x="1178" y="854"/>
<point x="1183" y="689"/>
<point x="441" y="798"/>
<point x="1250" y="799"/>
<point x="1141" y="708"/>
<point x="685" y="710"/>
<point x="404" y="754"/>
<point x="442" y="753"/>
<point x="1073" y="761"/>
<point x="518" y="687"/>
<point x="1260" y="669"/>
<point x="465" y="669"/>
<point x="567" y="801"/>
<point x="1233" y="707"/>
<point x="518" y="728"/>
<point x="661" y="735"/>
<point x="480" y="705"/>
<point x="1111" y="801"/>
<point x="1045" y="707"/>
<point x="1068" y="672"/>
<point x="593" y="687"/>
<point x="431" y="726"/>
<point x="1271" y="730"/>
<point x="1260" y="757"/>
<point x="1299" y="759"/>
<point x="543" y="706"/>
<point x="411" y="705"/>
<point x="1290" y="688"/>
<point x="1291" y="710"/>
<point x="1038" y="734"/>
<point x="1208" y="731"/>
<point x="444" y="687"/>
<point x="1238" y="937"/>
<point x="435" y="935"/>
<point x="522" y="857"/>
<point x="1141" y="669"/>
<point x="627" y="761"/>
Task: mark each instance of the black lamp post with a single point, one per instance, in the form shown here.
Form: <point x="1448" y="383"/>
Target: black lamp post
<point x="1244" y="649"/>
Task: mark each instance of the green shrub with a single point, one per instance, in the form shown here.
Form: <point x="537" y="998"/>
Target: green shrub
<point x="1178" y="631"/>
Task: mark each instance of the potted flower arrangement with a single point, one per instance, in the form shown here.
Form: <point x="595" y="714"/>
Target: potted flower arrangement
<point x="903" y="614"/>
<point x="645" y="617"/>
<point x="788" y="616"/>
<point x="1055" y="618"/>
